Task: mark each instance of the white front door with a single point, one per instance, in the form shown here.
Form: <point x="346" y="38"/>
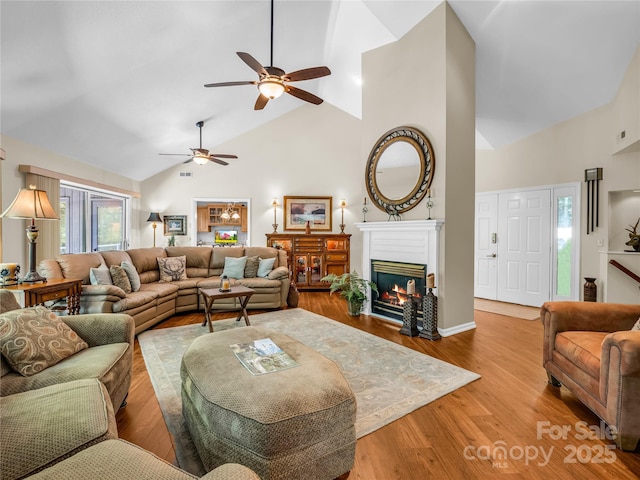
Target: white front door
<point x="524" y="247"/>
<point x="486" y="247"/>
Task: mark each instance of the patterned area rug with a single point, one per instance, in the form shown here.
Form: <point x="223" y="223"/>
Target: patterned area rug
<point x="509" y="309"/>
<point x="388" y="380"/>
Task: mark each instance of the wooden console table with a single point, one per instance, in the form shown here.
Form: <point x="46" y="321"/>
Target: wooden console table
<point x="53" y="289"/>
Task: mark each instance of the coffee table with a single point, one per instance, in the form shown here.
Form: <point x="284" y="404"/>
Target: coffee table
<point x="210" y="295"/>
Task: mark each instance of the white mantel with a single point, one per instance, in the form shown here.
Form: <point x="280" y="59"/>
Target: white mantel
<point x="410" y="241"/>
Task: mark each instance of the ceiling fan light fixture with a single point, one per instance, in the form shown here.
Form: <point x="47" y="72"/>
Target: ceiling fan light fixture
<point x="271" y="87"/>
<point x="200" y="159"/>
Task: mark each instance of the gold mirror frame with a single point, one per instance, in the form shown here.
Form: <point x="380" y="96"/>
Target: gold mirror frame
<point x="413" y="136"/>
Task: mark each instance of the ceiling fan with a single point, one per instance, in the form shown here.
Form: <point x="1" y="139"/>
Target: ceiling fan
<point x="273" y="81"/>
<point x="202" y="155"/>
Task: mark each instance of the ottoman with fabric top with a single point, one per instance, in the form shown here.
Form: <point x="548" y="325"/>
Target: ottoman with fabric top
<point x="296" y="423"/>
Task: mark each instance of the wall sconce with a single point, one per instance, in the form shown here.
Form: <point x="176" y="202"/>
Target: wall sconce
<point x="365" y="209"/>
<point x="31" y="203"/>
<point x="429" y="203"/>
<point x="275" y="206"/>
<point x="155" y="218"/>
<point x="343" y="204"/>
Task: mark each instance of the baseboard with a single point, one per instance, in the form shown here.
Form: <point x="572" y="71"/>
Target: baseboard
<point x="447" y="332"/>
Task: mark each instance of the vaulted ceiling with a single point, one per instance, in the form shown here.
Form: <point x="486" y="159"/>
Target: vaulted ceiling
<point x="114" y="83"/>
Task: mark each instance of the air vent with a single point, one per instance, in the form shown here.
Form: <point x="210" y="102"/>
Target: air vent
<point x="186" y="174"/>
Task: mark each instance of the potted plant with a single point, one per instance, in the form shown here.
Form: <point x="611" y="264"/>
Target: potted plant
<point x="353" y="288"/>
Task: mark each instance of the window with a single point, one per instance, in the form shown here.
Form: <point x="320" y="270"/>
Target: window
<point x="91" y="220"/>
<point x="565" y="285"/>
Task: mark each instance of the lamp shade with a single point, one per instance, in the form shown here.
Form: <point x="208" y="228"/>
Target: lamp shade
<point x="154" y="217"/>
<point x="271" y="88"/>
<point x="200" y="159"/>
<point x="31" y="203"/>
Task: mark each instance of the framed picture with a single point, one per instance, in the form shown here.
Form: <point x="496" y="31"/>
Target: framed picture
<point x="175" y="224"/>
<point x="300" y="210"/>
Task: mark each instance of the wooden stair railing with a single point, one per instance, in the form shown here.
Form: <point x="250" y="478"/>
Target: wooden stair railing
<point x="625" y="270"/>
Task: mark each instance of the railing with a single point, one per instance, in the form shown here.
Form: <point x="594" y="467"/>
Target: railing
<point x="625" y="270"/>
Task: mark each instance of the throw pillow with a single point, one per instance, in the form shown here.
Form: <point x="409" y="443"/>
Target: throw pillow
<point x="251" y="268"/>
<point x="132" y="273"/>
<point x="172" y="268"/>
<point x="100" y="276"/>
<point x="120" y="278"/>
<point x="636" y="326"/>
<point x="35" y="338"/>
<point x="265" y="266"/>
<point x="234" y="267"/>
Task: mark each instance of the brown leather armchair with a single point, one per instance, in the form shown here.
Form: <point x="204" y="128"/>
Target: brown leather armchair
<point x="590" y="349"/>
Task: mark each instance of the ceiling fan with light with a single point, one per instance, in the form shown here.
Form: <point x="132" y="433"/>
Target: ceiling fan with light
<point x="201" y="155"/>
<point x="273" y="81"/>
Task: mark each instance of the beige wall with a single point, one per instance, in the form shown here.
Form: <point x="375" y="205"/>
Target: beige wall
<point x="14" y="240"/>
<point x="427" y="80"/>
<point x="561" y="153"/>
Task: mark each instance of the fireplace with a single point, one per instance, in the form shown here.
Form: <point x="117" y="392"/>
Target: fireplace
<point x="391" y="279"/>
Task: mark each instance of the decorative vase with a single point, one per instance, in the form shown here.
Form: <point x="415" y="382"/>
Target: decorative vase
<point x="307" y="229"/>
<point x="354" y="307"/>
<point x="590" y="290"/>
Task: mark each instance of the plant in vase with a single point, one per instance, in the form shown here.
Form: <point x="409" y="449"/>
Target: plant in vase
<point x="353" y="288"/>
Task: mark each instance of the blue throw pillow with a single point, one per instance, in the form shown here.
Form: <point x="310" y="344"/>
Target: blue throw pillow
<point x="265" y="266"/>
<point x="234" y="267"/>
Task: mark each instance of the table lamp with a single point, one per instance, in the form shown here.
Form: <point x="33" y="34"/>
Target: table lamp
<point x="31" y="203"/>
<point x="155" y="218"/>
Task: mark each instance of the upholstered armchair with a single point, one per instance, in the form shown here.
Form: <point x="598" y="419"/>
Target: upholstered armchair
<point x="591" y="350"/>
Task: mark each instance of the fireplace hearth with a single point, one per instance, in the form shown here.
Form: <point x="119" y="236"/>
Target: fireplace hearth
<point x="391" y="279"/>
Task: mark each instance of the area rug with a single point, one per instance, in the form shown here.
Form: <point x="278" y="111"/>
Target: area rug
<point x="388" y="380"/>
<point x="509" y="309"/>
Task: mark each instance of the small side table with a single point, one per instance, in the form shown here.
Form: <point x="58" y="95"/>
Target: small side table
<point x="210" y="295"/>
<point x="52" y="289"/>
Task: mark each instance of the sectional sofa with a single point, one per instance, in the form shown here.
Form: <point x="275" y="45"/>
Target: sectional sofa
<point x="155" y="300"/>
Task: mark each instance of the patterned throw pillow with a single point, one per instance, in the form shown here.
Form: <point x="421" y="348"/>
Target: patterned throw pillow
<point x="251" y="267"/>
<point x="100" y="276"/>
<point x="132" y="273"/>
<point x="636" y="326"/>
<point x="120" y="278"/>
<point x="172" y="268"/>
<point x="34" y="338"/>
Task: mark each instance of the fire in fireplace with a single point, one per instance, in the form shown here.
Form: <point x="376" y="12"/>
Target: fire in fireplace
<point x="392" y="279"/>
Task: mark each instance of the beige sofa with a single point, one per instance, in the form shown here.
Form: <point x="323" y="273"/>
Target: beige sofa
<point x="156" y="301"/>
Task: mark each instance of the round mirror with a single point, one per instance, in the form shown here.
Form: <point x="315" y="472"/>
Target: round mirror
<point x="400" y="170"/>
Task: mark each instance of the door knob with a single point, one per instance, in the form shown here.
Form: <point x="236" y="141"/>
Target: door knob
<point x="493" y="255"/>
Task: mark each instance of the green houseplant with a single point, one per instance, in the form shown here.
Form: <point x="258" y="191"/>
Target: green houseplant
<point x="353" y="288"/>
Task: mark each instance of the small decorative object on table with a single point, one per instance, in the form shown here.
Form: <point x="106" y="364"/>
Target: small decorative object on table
<point x="430" y="312"/>
<point x="590" y="290"/>
<point x="634" y="238"/>
<point x="9" y="273"/>
<point x="172" y="241"/>
<point x="410" y="317"/>
<point x="225" y="285"/>
<point x="307" y="228"/>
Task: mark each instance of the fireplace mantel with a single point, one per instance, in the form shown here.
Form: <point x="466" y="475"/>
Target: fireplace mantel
<point x="410" y="241"/>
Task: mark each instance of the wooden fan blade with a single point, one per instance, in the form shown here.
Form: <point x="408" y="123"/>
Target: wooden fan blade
<point x="307" y="74"/>
<point x="261" y="102"/>
<point x="190" y="160"/>
<point x="253" y="63"/>
<point x="218" y="161"/>
<point x="174" y="154"/>
<point x="222" y="155"/>
<point x="303" y="95"/>
<point x="229" y="84"/>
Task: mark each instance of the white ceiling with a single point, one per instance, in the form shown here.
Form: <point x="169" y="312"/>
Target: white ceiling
<point x="114" y="83"/>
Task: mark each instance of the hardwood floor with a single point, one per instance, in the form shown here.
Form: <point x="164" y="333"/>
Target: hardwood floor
<point x="511" y="411"/>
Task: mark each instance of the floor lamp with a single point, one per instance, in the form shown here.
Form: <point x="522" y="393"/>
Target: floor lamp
<point x="155" y="218"/>
<point x="31" y="203"/>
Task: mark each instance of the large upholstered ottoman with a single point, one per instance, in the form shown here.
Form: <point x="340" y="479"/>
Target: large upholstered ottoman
<point x="296" y="423"/>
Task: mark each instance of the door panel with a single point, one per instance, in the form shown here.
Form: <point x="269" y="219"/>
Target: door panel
<point x="524" y="259"/>
<point x="486" y="248"/>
